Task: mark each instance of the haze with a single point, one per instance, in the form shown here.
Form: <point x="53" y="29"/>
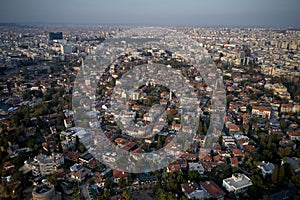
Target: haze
<point x="275" y="13"/>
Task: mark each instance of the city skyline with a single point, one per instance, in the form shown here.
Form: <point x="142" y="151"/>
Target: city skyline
<point x="279" y="14"/>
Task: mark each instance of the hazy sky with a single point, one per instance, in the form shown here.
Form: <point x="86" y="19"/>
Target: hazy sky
<point x="278" y="13"/>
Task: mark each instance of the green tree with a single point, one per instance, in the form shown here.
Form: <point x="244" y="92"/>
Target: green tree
<point x="281" y="174"/>
<point x="267" y="154"/>
<point x="193" y="175"/>
<point x="122" y="182"/>
<point x="127" y="195"/>
<point x="106" y="193"/>
<point x="257" y="181"/>
<point x="274" y="176"/>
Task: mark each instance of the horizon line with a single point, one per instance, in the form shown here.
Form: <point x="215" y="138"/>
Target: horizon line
<point x="141" y="24"/>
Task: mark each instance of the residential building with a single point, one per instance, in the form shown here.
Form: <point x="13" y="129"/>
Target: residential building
<point x="192" y="190"/>
<point x="212" y="190"/>
<point x="237" y="183"/>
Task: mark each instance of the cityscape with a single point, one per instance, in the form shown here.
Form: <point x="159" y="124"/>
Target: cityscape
<point x="129" y="110"/>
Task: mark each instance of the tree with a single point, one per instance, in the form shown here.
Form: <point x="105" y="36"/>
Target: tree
<point x="52" y="179"/>
<point x="76" y="195"/>
<point x="274" y="176"/>
<point x="91" y="181"/>
<point x="281" y="174"/>
<point x="193" y="175"/>
<point x="122" y="182"/>
<point x="254" y="192"/>
<point x="283" y="152"/>
<point x="283" y="125"/>
<point x="108" y="183"/>
<point x="106" y="193"/>
<point x="127" y="195"/>
<point x="267" y="154"/>
<point x="257" y="181"/>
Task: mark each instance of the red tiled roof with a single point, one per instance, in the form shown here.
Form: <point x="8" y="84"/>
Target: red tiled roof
<point x="190" y="156"/>
<point x="217" y="158"/>
<point x="233" y="127"/>
<point x="213" y="189"/>
<point x="207" y="158"/>
<point x="237" y="152"/>
<point x="261" y="108"/>
<point x="249" y="148"/>
<point x="119" y="173"/>
<point x="138" y="150"/>
<point x="175" y="167"/>
<point x="207" y="165"/>
<point x="294" y="134"/>
<point x="129" y="146"/>
<point x="189" y="187"/>
<point x="234" y="161"/>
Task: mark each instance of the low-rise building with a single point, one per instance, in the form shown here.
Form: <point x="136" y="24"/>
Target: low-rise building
<point x="192" y="190"/>
<point x="237" y="183"/>
<point x="266" y="168"/>
<point x="261" y="111"/>
<point x="212" y="190"/>
<point x="196" y="167"/>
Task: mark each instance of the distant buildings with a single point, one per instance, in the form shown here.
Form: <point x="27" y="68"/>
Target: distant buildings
<point x="55" y="35"/>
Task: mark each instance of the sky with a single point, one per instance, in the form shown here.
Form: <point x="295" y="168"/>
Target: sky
<point x="262" y="13"/>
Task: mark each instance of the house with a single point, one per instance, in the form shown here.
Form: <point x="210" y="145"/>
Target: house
<point x="118" y="174"/>
<point x="129" y="146"/>
<point x="266" y="168"/>
<point x="86" y="158"/>
<point x="238" y="154"/>
<point x="228" y="141"/>
<point x="192" y="190"/>
<point x="286" y="108"/>
<point x="249" y="148"/>
<point x="212" y="190"/>
<point x="80" y="174"/>
<point x="8" y="166"/>
<point x="190" y="156"/>
<point x="196" y="167"/>
<point x="72" y="155"/>
<point x="294" y="136"/>
<point x="237" y="183"/>
<point x="30" y="131"/>
<point x="261" y="111"/>
<point x="234" y="162"/>
<point x="68" y="122"/>
<point x="175" y="167"/>
<point x="182" y="163"/>
<point x="203" y="152"/>
<point x="233" y="128"/>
